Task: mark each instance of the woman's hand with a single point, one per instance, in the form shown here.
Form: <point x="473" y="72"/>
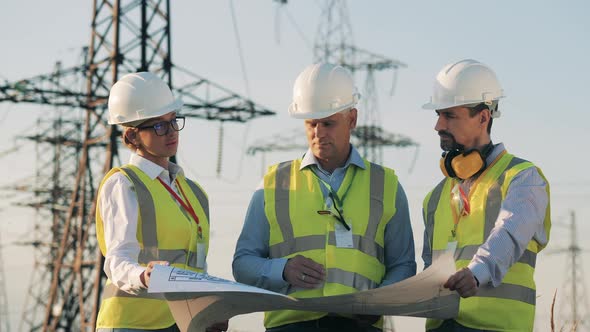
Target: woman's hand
<point x="145" y="275"/>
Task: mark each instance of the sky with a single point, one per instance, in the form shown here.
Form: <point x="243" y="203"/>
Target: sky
<point x="538" y="49"/>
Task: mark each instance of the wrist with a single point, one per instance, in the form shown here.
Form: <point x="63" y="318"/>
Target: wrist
<point x="285" y="269"/>
<point x="142" y="279"/>
<point x="480" y="273"/>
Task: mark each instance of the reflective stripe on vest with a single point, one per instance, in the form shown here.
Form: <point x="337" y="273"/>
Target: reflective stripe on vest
<point x="364" y="209"/>
<point x="147" y="210"/>
<point x="528" y="257"/>
<point x="312" y="242"/>
<point x="201" y="196"/>
<point x="510" y="292"/>
<point x="514" y="290"/>
<point x="145" y="310"/>
<point x="283" y="180"/>
<point x="150" y="251"/>
<point x="363" y="243"/>
<point x="339" y="276"/>
<point x="433" y="199"/>
<point x="493" y="205"/>
<point x="110" y="290"/>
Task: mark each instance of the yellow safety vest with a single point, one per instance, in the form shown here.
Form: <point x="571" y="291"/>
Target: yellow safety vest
<point x="292" y="198"/>
<point x="511" y="305"/>
<point x="164" y="232"/>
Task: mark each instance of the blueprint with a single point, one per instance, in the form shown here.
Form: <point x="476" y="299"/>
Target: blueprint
<point x="198" y="300"/>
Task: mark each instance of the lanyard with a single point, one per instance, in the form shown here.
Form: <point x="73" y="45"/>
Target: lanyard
<point x="331" y="191"/>
<point x="186" y="205"/>
<point x="460" y="202"/>
<point x="459" y="206"/>
<point x="336" y="199"/>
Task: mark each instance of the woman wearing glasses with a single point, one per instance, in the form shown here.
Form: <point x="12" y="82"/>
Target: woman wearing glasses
<point x="147" y="212"/>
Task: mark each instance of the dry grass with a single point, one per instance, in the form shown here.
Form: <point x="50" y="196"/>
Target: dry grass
<point x="563" y="327"/>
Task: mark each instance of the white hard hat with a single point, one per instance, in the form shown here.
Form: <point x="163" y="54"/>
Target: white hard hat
<point x="321" y="90"/>
<point x="140" y="96"/>
<point x="463" y="83"/>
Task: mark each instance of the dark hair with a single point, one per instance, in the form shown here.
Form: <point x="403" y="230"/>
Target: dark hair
<point x="474" y="110"/>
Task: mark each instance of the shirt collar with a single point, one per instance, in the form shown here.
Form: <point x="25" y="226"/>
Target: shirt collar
<point x="353" y="159"/>
<point x="498" y="148"/>
<point x="153" y="170"/>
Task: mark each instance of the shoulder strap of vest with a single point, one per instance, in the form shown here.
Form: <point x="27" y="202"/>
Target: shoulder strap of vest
<point x="200" y="194"/>
<point x="147" y="211"/>
<point x="429" y="208"/>
<point x="515" y="166"/>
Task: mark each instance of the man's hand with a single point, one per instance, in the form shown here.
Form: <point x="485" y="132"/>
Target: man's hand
<point x="218" y="327"/>
<point x="145" y="275"/>
<point x="463" y="282"/>
<point x="304" y="272"/>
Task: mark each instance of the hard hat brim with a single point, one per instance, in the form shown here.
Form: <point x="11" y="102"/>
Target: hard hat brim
<point x="314" y="115"/>
<point x="430" y="106"/>
<point x="176" y="105"/>
<point x="434" y="106"/>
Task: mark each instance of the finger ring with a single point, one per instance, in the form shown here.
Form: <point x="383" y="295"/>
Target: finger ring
<point x="303" y="276"/>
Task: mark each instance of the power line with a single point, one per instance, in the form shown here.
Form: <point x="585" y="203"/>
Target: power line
<point x="75" y="149"/>
<point x="248" y="93"/>
<point x="239" y="45"/>
<point x="281" y="7"/>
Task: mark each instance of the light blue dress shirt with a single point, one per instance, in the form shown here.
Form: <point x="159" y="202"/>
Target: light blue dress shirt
<point x="521" y="218"/>
<point x="252" y="265"/>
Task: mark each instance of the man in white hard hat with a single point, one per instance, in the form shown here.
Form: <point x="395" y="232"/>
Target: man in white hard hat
<point x="147" y="211"/>
<point x="329" y="223"/>
<point x="491" y="208"/>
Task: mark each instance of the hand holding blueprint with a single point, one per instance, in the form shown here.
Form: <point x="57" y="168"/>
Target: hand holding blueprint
<point x="198" y="300"/>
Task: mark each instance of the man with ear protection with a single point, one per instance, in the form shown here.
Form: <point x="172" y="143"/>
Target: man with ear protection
<point x="492" y="208"/>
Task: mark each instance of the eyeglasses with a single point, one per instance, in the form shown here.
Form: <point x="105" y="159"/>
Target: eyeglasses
<point x="163" y="128"/>
<point x="337" y="215"/>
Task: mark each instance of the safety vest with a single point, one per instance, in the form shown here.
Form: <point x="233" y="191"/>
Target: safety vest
<point x="511" y="305"/>
<point x="164" y="232"/>
<point x="292" y="198"/>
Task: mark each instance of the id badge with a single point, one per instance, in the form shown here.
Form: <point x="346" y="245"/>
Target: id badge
<point x="343" y="236"/>
<point x="201" y="255"/>
<point x="451" y="247"/>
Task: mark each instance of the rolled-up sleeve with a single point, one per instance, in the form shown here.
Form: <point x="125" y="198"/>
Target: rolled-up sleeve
<point x="520" y="220"/>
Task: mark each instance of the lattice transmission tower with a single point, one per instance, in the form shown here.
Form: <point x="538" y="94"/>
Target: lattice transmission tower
<point x="334" y="43"/>
<point x="127" y="36"/>
<point x="58" y="149"/>
<point x="574" y="309"/>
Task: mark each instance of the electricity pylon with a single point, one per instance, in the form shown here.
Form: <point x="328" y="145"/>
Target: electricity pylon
<point x="334" y="44"/>
<point x="127" y="36"/>
<point x="574" y="309"/>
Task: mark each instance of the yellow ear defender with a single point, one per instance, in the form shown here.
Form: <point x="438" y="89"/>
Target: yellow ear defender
<point x="464" y="164"/>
